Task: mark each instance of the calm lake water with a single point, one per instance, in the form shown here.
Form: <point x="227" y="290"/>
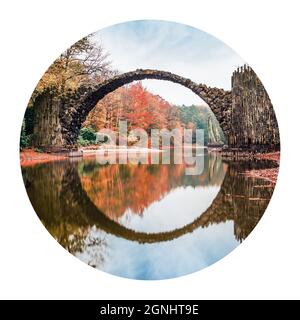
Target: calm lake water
<point x="147" y="221"/>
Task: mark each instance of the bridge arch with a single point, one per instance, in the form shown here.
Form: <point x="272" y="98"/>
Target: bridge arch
<point x="75" y="112"/>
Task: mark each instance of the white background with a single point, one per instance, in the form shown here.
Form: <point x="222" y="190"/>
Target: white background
<point x="264" y="33"/>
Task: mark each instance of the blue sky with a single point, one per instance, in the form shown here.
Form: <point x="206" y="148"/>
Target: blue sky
<point x="173" y="47"/>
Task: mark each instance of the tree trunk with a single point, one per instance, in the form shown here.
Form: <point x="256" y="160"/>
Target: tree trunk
<point x="47" y="128"/>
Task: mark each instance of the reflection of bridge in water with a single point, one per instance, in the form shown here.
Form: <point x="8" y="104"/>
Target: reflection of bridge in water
<point x="64" y="207"/>
<point x="115" y="189"/>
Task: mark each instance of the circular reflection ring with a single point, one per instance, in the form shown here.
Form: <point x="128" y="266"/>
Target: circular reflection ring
<point x="216" y="213"/>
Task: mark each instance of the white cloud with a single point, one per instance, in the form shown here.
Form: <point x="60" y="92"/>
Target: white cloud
<point x="171" y="47"/>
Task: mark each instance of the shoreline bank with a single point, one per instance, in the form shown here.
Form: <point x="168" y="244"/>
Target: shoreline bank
<point x="270" y="174"/>
<point x="31" y="157"/>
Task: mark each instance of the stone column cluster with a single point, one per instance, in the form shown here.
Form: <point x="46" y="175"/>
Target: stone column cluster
<point x="253" y="122"/>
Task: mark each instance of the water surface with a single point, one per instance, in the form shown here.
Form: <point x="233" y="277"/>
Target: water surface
<point x="147" y="221"/>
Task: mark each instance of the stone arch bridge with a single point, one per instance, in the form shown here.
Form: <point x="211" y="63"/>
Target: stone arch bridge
<point x="245" y="113"/>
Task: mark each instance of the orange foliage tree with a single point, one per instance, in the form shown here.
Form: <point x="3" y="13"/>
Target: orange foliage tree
<point x="134" y="103"/>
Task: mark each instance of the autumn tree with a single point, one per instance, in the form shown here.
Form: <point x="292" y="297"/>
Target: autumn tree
<point x="83" y="62"/>
<point x="133" y="103"/>
<point x="173" y="117"/>
<point x="108" y="111"/>
<point x="137" y="111"/>
<point x="143" y="109"/>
